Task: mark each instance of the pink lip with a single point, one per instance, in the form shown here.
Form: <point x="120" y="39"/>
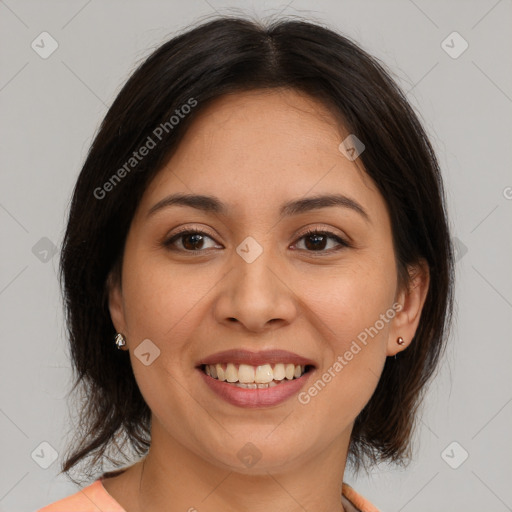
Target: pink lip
<point x="253" y="398"/>
<point x="241" y="356"/>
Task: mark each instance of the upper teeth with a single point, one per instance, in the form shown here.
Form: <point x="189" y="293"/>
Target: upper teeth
<point x="245" y="373"/>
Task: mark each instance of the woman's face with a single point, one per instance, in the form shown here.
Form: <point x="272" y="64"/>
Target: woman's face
<point x="254" y="281"/>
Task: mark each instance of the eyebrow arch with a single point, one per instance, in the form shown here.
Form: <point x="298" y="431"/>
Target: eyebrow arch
<point x="295" y="207"/>
<point x="307" y="204"/>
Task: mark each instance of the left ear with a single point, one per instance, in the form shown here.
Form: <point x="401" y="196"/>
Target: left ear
<point x="411" y="298"/>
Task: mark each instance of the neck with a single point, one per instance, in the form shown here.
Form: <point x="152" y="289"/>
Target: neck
<point x="173" y="474"/>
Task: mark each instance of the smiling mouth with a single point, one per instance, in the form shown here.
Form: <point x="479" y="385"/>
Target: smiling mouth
<point x="255" y="377"/>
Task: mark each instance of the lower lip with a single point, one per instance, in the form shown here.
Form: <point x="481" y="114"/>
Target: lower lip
<point x="265" y="397"/>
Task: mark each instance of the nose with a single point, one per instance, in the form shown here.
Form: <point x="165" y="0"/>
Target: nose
<point x="256" y="296"/>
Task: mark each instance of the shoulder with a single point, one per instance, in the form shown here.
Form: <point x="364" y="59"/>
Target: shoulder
<point x="92" y="498"/>
<point x="360" y="502"/>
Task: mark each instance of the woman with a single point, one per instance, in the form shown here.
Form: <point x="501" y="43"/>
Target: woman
<point x="258" y="275"/>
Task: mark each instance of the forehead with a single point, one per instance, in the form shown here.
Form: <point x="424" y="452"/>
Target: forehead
<point x="258" y="148"/>
<point x="282" y="124"/>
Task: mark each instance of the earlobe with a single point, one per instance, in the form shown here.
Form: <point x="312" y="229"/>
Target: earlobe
<point x="115" y="304"/>
<point x="411" y="299"/>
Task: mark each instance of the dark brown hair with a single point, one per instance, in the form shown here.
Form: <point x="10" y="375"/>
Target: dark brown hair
<point x="219" y="57"/>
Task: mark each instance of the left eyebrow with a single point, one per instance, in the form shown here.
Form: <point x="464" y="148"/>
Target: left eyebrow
<point x="324" y="201"/>
<point x="295" y="207"/>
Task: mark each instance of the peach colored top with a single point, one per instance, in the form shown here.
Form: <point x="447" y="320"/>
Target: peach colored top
<point x="95" y="498"/>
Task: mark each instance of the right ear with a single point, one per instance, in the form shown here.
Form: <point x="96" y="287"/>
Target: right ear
<point x="115" y="303"/>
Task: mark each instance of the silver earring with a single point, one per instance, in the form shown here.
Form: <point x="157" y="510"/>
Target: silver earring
<point x="120" y="340"/>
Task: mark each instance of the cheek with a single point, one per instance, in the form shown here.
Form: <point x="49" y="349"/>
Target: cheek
<point x="351" y="298"/>
<point x="163" y="305"/>
<point x="354" y="311"/>
<point x="161" y="298"/>
<point x="351" y="366"/>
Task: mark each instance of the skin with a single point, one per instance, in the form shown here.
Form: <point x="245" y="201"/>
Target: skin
<point x="254" y="151"/>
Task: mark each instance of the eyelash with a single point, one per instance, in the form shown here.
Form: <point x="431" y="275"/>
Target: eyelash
<point x="310" y="232"/>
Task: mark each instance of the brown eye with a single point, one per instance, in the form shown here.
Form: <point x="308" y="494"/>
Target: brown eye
<point x="193" y="240"/>
<point x="190" y="240"/>
<point x="316" y="241"/>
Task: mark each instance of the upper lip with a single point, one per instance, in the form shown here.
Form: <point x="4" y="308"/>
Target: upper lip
<point x="241" y="356"/>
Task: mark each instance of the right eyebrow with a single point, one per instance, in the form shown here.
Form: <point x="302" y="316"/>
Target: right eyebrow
<point x="200" y="202"/>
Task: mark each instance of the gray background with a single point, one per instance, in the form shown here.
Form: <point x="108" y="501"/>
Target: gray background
<point x="51" y="109"/>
